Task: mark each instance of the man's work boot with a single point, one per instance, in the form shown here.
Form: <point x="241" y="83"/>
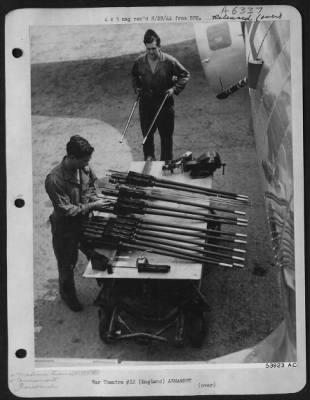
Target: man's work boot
<point x="71" y="301"/>
<point x="68" y="294"/>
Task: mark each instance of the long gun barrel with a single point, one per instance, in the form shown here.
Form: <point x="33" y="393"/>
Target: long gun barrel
<point x="144" y="180"/>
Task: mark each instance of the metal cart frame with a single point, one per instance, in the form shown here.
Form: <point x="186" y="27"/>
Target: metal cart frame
<point x="170" y="306"/>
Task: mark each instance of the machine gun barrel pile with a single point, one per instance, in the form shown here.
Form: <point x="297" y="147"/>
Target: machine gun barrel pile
<point x="142" y="180"/>
<point x="132" y="195"/>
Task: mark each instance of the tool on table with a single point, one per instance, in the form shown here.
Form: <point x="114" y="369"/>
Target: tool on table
<point x="203" y="166"/>
<point x="171" y="165"/>
<point x="143" y="265"/>
<point x="103" y="260"/>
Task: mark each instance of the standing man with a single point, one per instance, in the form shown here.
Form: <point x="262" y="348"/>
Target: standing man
<point x="154" y="75"/>
<point x="71" y="188"/>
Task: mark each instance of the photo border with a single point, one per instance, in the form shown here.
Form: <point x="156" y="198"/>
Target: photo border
<point x="25" y="367"/>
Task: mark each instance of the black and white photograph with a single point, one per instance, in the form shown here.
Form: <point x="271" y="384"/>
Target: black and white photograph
<point x="161" y="157"/>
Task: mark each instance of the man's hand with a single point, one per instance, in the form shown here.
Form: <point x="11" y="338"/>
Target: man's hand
<point x="170" y="91"/>
<point x="101" y="204"/>
<point x="138" y="91"/>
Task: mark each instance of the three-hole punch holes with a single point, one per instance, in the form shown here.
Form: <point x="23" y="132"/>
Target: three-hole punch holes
<point x="17" y="52"/>
<point x="19" y="203"/>
<point x="21" y="353"/>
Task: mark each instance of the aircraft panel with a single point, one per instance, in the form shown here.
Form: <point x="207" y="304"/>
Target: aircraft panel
<point x="221" y="50"/>
<point x="272" y="116"/>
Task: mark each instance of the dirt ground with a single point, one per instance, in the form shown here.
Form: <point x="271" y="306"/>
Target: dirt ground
<point x="91" y="95"/>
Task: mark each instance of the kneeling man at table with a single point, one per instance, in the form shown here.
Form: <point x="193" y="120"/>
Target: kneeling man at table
<point x="71" y="188"/>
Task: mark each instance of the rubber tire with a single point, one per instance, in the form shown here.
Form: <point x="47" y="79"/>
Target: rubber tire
<point x="178" y="343"/>
<point x="104" y="323"/>
<point x="198" y="331"/>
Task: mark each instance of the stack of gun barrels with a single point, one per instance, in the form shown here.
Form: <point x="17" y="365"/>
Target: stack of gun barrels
<point x="169" y="218"/>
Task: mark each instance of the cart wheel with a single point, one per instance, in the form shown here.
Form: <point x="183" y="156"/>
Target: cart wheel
<point x="178" y="342"/>
<point x="104" y="324"/>
<point x="198" y="329"/>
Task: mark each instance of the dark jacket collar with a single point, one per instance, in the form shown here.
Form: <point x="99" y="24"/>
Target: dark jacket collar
<point x="68" y="174"/>
<point x="161" y="57"/>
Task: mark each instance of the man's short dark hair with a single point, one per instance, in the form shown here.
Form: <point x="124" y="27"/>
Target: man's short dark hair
<point x="79" y="147"/>
<point x="150" y="36"/>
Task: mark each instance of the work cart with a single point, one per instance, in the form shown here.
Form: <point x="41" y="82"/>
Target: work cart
<point x="147" y="296"/>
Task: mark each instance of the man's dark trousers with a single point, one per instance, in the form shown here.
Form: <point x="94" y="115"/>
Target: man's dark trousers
<point x="148" y="108"/>
<point x="66" y="243"/>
